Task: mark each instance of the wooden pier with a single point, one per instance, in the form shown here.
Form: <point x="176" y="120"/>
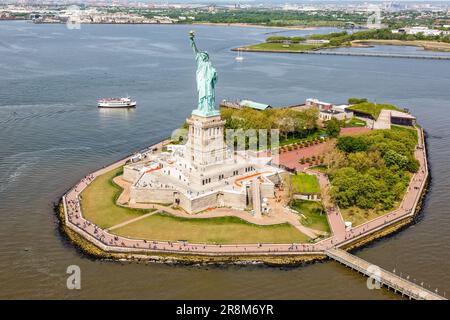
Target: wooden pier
<point x="386" y="278"/>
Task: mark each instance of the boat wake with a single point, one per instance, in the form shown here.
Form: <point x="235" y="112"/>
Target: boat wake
<point x="16" y="166"/>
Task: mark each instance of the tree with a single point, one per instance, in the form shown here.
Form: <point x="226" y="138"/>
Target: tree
<point x="356" y="100"/>
<point x="392" y="158"/>
<point x="333" y="127"/>
<point x="352" y="144"/>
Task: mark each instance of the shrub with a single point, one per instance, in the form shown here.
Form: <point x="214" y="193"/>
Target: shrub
<point x="352" y="144"/>
<point x="356" y="100"/>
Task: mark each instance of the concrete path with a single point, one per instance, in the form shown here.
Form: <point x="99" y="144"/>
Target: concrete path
<point x="117" y="226"/>
<point x="334" y="216"/>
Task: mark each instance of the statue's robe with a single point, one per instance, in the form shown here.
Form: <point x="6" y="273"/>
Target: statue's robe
<point x="206" y="81"/>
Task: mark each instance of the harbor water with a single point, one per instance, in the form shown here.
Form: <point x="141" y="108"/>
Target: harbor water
<point x="52" y="134"/>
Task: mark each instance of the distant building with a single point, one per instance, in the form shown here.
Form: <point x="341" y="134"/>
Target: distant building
<point x="402" y="118"/>
<point x="318" y="104"/>
<point x="388" y="117"/>
<point x="254" y="105"/>
<point x="329" y="110"/>
<point x="423" y="30"/>
<point x="326" y="115"/>
<point x="342" y="108"/>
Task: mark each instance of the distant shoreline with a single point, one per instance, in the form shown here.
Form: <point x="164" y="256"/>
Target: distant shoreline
<point x="219" y="24"/>
<point x="434" y="46"/>
<point x="249" y="25"/>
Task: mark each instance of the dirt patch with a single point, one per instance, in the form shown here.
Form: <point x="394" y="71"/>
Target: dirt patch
<point x="354" y="131"/>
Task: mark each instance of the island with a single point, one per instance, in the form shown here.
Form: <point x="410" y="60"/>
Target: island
<point x="400" y="37"/>
<point x="317" y="180"/>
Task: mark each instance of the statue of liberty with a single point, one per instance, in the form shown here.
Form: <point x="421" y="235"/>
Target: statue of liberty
<point x="206" y="82"/>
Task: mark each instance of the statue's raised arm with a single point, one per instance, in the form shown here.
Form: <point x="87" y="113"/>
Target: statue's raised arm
<point x="193" y="45"/>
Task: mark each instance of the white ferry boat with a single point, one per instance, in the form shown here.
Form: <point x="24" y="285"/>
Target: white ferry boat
<point x="116" y="103"/>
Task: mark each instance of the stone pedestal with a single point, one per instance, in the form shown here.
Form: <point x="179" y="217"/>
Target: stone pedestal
<point x="256" y="198"/>
<point x="205" y="145"/>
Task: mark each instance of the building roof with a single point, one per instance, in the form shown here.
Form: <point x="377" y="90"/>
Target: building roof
<point x="331" y="111"/>
<point x="341" y="106"/>
<point x="399" y="114"/>
<point x="317" y="101"/>
<point x="254" y="105"/>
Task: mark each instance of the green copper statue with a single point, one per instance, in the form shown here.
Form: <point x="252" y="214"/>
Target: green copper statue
<point x="206" y="82"/>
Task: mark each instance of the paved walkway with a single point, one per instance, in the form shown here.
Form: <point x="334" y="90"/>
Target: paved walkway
<point x="110" y="242"/>
<point x="334" y="216"/>
<point x="120" y="225"/>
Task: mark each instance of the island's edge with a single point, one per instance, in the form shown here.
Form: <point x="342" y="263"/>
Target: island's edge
<point x="91" y="250"/>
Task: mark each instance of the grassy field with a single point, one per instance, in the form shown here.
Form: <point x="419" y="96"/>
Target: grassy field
<point x="410" y="130"/>
<point x="223" y="230"/>
<point x="312" y="214"/>
<point x="98" y="202"/>
<point x="321" y="168"/>
<point x="305" y="183"/>
<point x="266" y="46"/>
<point x="359" y="216"/>
<point x="98" y="205"/>
<point x="373" y="109"/>
<point x="355" y="122"/>
<point x="309" y="137"/>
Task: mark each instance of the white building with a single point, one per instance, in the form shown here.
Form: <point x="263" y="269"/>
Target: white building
<point x="327" y="111"/>
<point x="424" y="30"/>
<point x="203" y="173"/>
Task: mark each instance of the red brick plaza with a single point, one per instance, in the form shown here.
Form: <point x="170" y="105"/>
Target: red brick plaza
<point x="291" y="159"/>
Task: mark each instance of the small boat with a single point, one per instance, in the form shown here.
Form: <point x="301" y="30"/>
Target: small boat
<point x="116" y="103"/>
<point x="239" y="57"/>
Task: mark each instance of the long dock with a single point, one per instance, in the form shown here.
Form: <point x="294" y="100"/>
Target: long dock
<point x="381" y="55"/>
<point x="327" y="52"/>
<point x="386" y="278"/>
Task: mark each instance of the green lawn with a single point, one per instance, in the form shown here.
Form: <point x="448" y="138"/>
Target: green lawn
<point x="283" y="47"/>
<point x="98" y="202"/>
<point x="355" y="122"/>
<point x="321" y="168"/>
<point x="312" y="214"/>
<point x="305" y="183"/>
<point x="359" y="216"/>
<point x="309" y="137"/>
<point x="222" y="230"/>
<point x="411" y="130"/>
<point x="373" y="109"/>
